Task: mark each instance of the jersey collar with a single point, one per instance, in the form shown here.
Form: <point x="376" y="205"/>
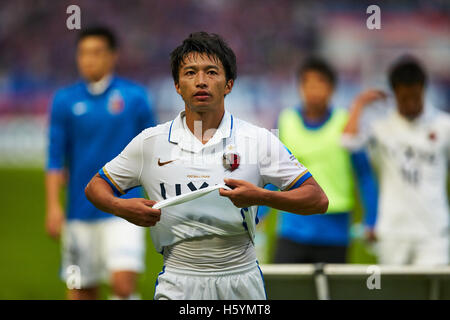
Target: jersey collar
<point x="422" y="118"/>
<point x="100" y="87"/>
<point x="182" y="136"/>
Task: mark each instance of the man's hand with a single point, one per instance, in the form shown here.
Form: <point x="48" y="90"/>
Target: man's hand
<point x="307" y="199"/>
<point x="55" y="216"/>
<point x="138" y="211"/>
<point x="54" y="221"/>
<point x="370" y="235"/>
<point x="361" y="101"/>
<point x="367" y="97"/>
<point x="244" y="194"/>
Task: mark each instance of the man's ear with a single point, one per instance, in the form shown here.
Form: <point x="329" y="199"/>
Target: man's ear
<point x="229" y="86"/>
<point x="177" y="87"/>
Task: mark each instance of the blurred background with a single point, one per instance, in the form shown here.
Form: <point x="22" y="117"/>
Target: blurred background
<point x="270" y="39"/>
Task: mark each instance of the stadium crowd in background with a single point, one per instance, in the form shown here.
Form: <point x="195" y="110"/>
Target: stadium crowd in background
<point x="291" y="31"/>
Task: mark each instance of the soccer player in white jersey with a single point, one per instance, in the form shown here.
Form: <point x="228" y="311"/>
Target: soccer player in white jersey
<point x="207" y="243"/>
<point x="411" y="149"/>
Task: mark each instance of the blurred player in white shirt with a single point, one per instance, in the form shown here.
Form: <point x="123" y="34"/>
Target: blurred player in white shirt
<point x="207" y="243"/>
<point x="411" y="150"/>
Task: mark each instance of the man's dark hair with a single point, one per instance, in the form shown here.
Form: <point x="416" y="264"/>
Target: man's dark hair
<point x="319" y="65"/>
<point x="99" y="31"/>
<point x="407" y="71"/>
<point x="210" y="44"/>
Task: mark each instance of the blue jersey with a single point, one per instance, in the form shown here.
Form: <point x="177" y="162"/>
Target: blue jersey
<point x="86" y="131"/>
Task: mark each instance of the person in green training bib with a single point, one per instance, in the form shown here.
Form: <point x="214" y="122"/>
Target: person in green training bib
<point x="312" y="132"/>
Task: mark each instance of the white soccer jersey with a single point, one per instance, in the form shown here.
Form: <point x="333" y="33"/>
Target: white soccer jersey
<point x="412" y="161"/>
<point x="168" y="160"/>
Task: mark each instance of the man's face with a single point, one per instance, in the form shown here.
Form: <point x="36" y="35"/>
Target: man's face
<point x="94" y="58"/>
<point x="202" y="83"/>
<point x="315" y="90"/>
<point x="409" y="100"/>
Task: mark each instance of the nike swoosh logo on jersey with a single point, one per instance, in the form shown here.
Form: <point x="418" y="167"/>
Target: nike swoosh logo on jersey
<point x="164" y="163"/>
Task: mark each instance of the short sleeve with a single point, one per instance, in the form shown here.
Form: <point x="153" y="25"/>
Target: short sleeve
<point x="57" y="134"/>
<point x="277" y="165"/>
<point x="123" y="172"/>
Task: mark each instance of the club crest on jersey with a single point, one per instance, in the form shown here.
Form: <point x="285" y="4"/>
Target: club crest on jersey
<point x="231" y="158"/>
<point x="79" y="108"/>
<point x="116" y="103"/>
<point x="432" y="136"/>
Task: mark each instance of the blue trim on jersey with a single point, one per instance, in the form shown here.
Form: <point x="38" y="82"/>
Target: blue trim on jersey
<point x="262" y="277"/>
<point x="300" y="181"/>
<point x="170" y="130"/>
<point x="289" y="151"/>
<point x="156" y="283"/>
<point x="231" y="127"/>
<point x="104" y="177"/>
<point x="102" y="174"/>
<point x="243" y="218"/>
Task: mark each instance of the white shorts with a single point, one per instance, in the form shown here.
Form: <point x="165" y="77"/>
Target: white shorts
<point x="243" y="283"/>
<point x="425" y="252"/>
<point x="93" y="250"/>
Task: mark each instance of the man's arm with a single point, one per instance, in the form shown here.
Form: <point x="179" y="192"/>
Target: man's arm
<point x="264" y="210"/>
<point x="308" y="198"/>
<point x="356" y="110"/>
<point x="54" y="219"/>
<point x="136" y="210"/>
<point x="55" y="168"/>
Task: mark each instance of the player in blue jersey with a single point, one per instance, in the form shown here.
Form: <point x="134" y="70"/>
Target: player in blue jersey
<point x="91" y="121"/>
